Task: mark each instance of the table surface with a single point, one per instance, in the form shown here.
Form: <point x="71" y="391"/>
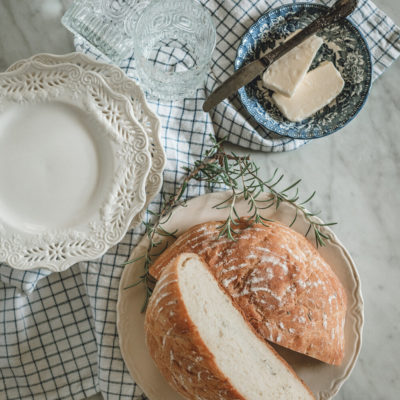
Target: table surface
<point x="356" y="173"/>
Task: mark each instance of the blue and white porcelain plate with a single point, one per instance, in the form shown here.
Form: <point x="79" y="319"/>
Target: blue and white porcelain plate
<point x="343" y="45"/>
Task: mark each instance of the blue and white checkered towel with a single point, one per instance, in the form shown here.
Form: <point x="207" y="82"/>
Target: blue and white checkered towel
<point x="58" y="337"/>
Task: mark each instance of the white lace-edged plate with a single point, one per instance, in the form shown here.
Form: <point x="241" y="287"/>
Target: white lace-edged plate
<point x="73" y="166"/>
<point x="119" y="82"/>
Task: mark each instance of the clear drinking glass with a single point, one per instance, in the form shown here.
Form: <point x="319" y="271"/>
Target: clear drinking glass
<point x="108" y="25"/>
<point x="173" y="44"/>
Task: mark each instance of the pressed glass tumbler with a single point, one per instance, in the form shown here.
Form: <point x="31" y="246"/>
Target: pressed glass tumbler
<point x="108" y="25"/>
<point x="173" y="44"/>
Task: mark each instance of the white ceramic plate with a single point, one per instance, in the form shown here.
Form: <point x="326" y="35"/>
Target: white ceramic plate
<point x="73" y="166"/>
<point x="323" y="379"/>
<point x="120" y="83"/>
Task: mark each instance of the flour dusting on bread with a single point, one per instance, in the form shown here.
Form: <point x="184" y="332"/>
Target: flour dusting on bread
<point x="207" y="350"/>
<point x="287" y="291"/>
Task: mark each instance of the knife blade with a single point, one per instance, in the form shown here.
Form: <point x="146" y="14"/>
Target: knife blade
<point x="244" y="75"/>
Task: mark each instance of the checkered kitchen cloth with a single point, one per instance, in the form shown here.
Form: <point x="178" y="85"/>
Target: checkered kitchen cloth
<point x="58" y="337"/>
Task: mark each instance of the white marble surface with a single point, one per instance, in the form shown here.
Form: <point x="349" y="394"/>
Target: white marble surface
<point x="356" y="173"/>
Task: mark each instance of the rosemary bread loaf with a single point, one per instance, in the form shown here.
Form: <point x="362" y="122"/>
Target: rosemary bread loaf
<point x="286" y="290"/>
<point x="204" y="346"/>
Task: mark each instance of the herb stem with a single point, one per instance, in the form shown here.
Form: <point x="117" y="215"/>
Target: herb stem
<point x="240" y="176"/>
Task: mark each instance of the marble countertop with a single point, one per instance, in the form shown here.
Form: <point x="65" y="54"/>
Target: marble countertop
<point x="356" y="173"/>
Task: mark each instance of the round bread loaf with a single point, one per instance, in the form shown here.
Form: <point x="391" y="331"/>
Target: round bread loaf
<point x="286" y="290"/>
<point x="204" y="346"/>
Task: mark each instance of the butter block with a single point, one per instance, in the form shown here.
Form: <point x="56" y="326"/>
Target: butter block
<point x="318" y="88"/>
<point x="285" y="74"/>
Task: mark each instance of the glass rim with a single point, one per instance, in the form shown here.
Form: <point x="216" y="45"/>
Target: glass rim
<point x="213" y="39"/>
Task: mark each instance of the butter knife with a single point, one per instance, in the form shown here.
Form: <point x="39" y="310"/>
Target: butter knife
<point x="244" y="75"/>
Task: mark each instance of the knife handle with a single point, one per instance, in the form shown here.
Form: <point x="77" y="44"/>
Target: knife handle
<point x="341" y="9"/>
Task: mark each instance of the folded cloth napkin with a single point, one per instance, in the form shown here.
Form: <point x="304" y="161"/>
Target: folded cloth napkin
<point x="59" y="341"/>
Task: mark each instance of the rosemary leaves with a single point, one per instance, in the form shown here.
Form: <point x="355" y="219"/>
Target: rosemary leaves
<point x="240" y="176"/>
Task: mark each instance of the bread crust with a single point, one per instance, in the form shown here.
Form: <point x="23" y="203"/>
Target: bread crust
<point x="286" y="290"/>
<point x="177" y="348"/>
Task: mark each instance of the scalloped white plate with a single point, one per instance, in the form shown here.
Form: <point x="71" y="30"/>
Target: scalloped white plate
<point x="120" y="83"/>
<point x="323" y="379"/>
<point x="73" y="166"/>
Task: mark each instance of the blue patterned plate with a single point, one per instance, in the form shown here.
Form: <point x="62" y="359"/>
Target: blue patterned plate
<point x="343" y="45"/>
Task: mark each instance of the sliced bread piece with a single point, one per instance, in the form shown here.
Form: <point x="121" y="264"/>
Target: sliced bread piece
<point x="204" y="346"/>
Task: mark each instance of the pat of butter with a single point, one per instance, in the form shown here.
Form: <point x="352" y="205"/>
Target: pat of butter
<point x="285" y="74"/>
<point x="318" y="88"/>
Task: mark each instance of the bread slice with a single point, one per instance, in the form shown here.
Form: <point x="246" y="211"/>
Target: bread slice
<point x="204" y="346"/>
<point x="283" y="286"/>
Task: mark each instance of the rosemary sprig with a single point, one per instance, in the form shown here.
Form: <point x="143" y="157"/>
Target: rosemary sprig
<point x="240" y="175"/>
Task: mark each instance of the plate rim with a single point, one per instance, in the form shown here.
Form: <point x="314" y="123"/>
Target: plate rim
<point x="358" y="306"/>
<point x="244" y="99"/>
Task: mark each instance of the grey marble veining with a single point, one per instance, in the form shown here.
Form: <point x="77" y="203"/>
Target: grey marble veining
<point x="32" y="26"/>
<point x="356" y="173"/>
